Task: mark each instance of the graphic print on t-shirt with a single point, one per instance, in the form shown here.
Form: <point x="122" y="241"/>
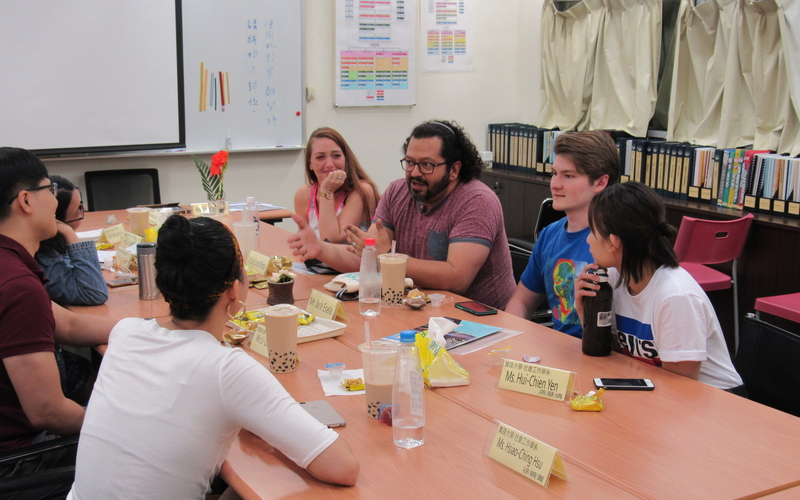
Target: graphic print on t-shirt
<point x="564" y="272"/>
<point x="636" y="340"/>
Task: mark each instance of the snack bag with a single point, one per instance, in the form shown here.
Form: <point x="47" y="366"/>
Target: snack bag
<point x="439" y="369"/>
<point x="589" y="402"/>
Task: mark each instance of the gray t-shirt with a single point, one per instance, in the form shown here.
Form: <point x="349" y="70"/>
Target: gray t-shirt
<point x="472" y="213"/>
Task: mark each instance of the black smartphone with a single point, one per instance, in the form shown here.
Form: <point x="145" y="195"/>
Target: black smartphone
<point x="123" y="282"/>
<point x="625" y="384"/>
<point x="476" y="308"/>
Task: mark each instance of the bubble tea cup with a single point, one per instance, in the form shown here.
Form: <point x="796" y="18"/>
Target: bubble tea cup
<point x="281" y="324"/>
<point x="378" y="358"/>
<point x="393" y="278"/>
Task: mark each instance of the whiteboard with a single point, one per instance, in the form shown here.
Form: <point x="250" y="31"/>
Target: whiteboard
<point x="89" y="74"/>
<point x="257" y="47"/>
<point x="97" y="76"/>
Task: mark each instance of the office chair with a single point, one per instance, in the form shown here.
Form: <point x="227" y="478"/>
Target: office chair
<point x="767" y="362"/>
<point x="49" y="484"/>
<point x="522" y="248"/>
<point x="118" y="189"/>
<point x="702" y="242"/>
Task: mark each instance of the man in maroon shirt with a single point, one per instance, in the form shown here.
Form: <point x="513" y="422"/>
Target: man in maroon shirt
<point x="32" y="404"/>
<point x="448" y="222"/>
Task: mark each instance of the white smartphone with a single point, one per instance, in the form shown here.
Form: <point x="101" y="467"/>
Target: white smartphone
<point x="625" y="384"/>
<point x="324" y="412"/>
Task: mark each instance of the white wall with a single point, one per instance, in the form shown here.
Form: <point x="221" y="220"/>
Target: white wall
<point x="503" y="87"/>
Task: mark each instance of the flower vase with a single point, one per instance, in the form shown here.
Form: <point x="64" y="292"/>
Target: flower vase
<point x="216" y="208"/>
<point x="281" y="293"/>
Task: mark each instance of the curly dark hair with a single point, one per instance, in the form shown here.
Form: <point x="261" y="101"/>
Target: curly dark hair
<point x="456" y="146"/>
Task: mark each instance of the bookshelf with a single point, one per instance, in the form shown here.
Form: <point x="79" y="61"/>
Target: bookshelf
<point x="768" y="266"/>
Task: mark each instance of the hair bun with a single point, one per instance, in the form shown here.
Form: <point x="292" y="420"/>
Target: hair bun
<point x="175" y="239"/>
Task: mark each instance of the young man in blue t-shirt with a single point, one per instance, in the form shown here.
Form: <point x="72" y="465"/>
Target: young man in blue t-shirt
<point x="585" y="164"/>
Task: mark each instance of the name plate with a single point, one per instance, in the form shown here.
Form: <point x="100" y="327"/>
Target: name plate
<point x="750" y="201"/>
<point x="794" y="208"/>
<point x="325" y="306"/>
<point x="124" y="258"/>
<point x="765" y="204"/>
<point x="694" y="192"/>
<point x="113" y="234"/>
<point x="130" y="239"/>
<point x="705" y="194"/>
<point x="259" y="341"/>
<point x="542" y="381"/>
<point x="199" y="209"/>
<point x="779" y="206"/>
<point x="258" y="262"/>
<point x="526" y="455"/>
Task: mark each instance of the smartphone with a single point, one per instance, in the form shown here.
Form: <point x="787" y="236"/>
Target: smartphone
<point x="476" y="308"/>
<point x="324" y="412"/>
<point x="123" y="282"/>
<point x="625" y="384"/>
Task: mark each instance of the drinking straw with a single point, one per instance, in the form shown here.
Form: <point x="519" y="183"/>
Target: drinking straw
<point x="394" y="245"/>
<point x="366" y="334"/>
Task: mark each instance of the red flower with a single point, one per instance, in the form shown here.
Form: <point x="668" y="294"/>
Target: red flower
<point x="218" y="162"/>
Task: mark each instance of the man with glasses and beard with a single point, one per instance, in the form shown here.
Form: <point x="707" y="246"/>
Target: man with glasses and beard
<point x="448" y="222"/>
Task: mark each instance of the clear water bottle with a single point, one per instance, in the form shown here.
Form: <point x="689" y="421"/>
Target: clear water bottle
<point x="369" y="280"/>
<point x="597" y="315"/>
<point x="250" y="213"/>
<point x="408" y="398"/>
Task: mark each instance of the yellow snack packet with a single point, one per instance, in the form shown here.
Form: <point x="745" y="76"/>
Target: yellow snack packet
<point x="278" y="263"/>
<point x="353" y="384"/>
<point x="304" y="319"/>
<point x="590" y="402"/>
<point x="439" y="369"/>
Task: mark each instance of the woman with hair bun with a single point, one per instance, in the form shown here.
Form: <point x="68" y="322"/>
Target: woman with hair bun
<point x="170" y="399"/>
<point x="661" y="315"/>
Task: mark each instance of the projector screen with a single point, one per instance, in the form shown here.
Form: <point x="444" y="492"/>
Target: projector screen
<point x="91" y="75"/>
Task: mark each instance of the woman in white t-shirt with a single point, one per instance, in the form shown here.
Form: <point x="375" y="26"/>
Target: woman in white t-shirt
<point x="661" y="315"/>
<point x="170" y="399"/>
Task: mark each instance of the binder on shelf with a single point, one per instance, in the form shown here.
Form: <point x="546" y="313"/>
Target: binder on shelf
<point x="716" y="171"/>
<point x="538" y="152"/>
<point x="686" y="170"/>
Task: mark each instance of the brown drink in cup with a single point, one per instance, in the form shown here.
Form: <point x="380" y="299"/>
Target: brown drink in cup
<point x="281" y="324"/>
<point x="140" y="219"/>
<point x="378" y="359"/>
<point x="393" y="278"/>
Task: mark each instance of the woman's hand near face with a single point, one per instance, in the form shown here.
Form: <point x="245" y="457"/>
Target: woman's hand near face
<point x="332" y="182"/>
<point x="67" y="232"/>
<point x="585" y="286"/>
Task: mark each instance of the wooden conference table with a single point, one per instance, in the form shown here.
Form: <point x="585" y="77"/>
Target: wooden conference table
<point x="683" y="440"/>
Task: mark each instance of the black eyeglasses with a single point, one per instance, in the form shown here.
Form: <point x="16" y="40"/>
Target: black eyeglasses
<point x="81" y="212"/>
<point x="53" y="187"/>
<point x="424" y="167"/>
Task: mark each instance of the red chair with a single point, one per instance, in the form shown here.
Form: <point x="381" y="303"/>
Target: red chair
<point x="713" y="242"/>
<point x="783" y="306"/>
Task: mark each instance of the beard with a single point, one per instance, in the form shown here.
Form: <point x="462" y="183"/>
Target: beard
<point x="431" y="191"/>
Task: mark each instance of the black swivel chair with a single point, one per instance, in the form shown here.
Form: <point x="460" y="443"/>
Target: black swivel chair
<point x="118" y="189"/>
<point x="49" y="484"/>
<point x="522" y="248"/>
<point x="767" y="362"/>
